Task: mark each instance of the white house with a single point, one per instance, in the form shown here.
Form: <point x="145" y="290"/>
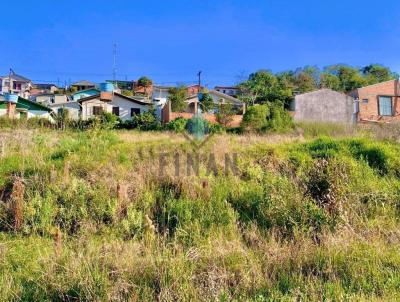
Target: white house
<point x="24" y="109"/>
<point x="218" y="98"/>
<point x="160" y="98"/>
<point x="73" y="108"/>
<point x="17" y="84"/>
<point x="122" y="106"/>
<point x="229" y="90"/>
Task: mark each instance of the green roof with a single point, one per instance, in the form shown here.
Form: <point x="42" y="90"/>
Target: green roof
<point x="28" y="105"/>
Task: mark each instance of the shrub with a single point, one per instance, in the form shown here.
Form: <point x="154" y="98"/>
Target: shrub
<point x="225" y="114"/>
<point x="267" y="117"/>
<point x="177" y="125"/>
<point x="323" y="148"/>
<point x="255" y="118"/>
<point x="279" y="119"/>
<point x="146" y="121"/>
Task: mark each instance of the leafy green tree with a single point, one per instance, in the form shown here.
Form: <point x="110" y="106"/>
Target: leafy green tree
<point x="225" y="113"/>
<point x="177" y="125"/>
<point x="145" y="82"/>
<point x="146" y="121"/>
<point x="177" y="96"/>
<point x="207" y="102"/>
<point x="306" y="79"/>
<point x="349" y="77"/>
<point x="255" y="118"/>
<point x="263" y="86"/>
<point x="271" y="116"/>
<point x="376" y="73"/>
<point x="331" y="81"/>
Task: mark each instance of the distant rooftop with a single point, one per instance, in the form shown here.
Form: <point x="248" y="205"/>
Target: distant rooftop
<point x="83" y="83"/>
<point x="226" y="87"/>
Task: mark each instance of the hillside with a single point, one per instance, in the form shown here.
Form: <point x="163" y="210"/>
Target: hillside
<point x="88" y="216"/>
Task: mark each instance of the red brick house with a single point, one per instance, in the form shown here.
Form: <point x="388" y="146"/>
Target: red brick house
<point x="379" y="102"/>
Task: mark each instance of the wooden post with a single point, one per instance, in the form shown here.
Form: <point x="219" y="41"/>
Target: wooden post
<point x="66" y="171"/>
<point x="17" y="199"/>
<point x="58" y="242"/>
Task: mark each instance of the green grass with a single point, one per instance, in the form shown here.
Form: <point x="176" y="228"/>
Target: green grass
<point x="312" y="218"/>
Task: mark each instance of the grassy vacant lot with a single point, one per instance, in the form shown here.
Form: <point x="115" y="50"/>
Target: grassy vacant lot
<point x="86" y="216"/>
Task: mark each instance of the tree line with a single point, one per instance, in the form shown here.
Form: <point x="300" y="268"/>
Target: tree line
<point x="265" y="86"/>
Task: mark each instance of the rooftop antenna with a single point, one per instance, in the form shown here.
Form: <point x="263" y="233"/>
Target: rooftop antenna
<point x="115" y="64"/>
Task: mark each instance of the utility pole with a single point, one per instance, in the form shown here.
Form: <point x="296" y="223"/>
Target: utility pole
<point x="115" y="64"/>
<point x="9" y="81"/>
<point x="199" y="75"/>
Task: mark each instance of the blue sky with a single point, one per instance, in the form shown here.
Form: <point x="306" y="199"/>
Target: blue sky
<point x="171" y="40"/>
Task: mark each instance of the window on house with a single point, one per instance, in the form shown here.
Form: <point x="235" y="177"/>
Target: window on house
<point x="17" y="86"/>
<point x="365" y="101"/>
<point x="385" y="105"/>
<point x="115" y="111"/>
<point x="135" y="111"/>
<point x="97" y="110"/>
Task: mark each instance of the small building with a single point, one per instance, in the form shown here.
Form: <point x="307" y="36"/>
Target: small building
<point x="84" y="94"/>
<point x="73" y="108"/>
<point x="218" y="98"/>
<point x="24" y="109"/>
<point x="16" y="84"/>
<point x="229" y="90"/>
<point x="160" y="98"/>
<point x="83" y="85"/>
<point x="325" y="105"/>
<point x="44" y="88"/>
<point x="379" y="102"/>
<point x="49" y="98"/>
<point x="122" y="106"/>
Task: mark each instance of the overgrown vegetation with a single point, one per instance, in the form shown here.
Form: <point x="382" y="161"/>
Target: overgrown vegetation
<point x="86" y="216"/>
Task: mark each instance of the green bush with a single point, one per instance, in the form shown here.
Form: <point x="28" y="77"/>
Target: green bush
<point x="255" y="118"/>
<point x="146" y="121"/>
<point x="267" y="117"/>
<point x="279" y="119"/>
<point x="177" y="125"/>
<point x="323" y="148"/>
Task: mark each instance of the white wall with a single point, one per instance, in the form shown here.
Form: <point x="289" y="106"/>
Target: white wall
<point x="87" y="108"/>
<point x="39" y="114"/>
<point x="160" y="98"/>
<point x="72" y="107"/>
<point x="125" y="107"/>
<point x="30" y="114"/>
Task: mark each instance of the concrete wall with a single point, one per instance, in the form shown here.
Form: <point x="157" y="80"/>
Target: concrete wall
<point x="324" y="106"/>
<point x="72" y="107"/>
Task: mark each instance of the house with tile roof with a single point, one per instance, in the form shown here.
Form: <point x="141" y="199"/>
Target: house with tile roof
<point x="83" y="85"/>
